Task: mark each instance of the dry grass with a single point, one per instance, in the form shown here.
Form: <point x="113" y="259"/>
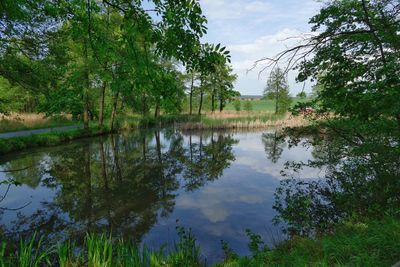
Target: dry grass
<point x="23" y="121"/>
<point x="237" y="114"/>
<point x="229" y="121"/>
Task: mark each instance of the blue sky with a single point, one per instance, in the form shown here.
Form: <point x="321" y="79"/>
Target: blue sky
<point x="253" y="29"/>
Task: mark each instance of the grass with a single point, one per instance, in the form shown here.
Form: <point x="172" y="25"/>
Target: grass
<point x="28" y="121"/>
<point x="19" y="143"/>
<point x="375" y="243"/>
<point x="101" y="251"/>
<point x="217" y="120"/>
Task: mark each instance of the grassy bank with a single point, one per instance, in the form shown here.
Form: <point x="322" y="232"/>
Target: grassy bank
<point x="224" y="120"/>
<point x="19" y="143"/>
<point x="375" y="243"/>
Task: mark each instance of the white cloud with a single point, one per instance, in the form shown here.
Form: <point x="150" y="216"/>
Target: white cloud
<point x="254" y="29"/>
<point x="245" y="55"/>
<point x="213" y="202"/>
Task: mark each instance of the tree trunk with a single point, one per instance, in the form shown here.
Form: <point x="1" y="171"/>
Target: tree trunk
<point x="114" y="111"/>
<point x="157" y="111"/>
<point x="201" y="102"/>
<point x="86" y="90"/>
<point x="191" y="96"/>
<point x="221" y="105"/>
<point x="276" y="97"/>
<point x="212" y="103"/>
<point x="101" y="107"/>
<point x="144" y="106"/>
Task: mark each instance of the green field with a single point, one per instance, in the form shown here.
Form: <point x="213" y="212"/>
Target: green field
<point x="262" y="105"/>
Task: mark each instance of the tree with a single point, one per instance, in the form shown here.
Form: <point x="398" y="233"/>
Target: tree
<point x="237" y="105"/>
<point x="92" y="58"/>
<point x="248" y="106"/>
<point x="278" y="89"/>
<point x="302" y="95"/>
<point x="210" y="58"/>
<point x="355" y="48"/>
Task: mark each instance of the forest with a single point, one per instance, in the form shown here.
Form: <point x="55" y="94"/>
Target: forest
<point x="96" y="59"/>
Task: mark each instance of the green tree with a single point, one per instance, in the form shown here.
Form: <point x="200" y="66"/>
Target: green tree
<point x="278" y="89"/>
<point x="237" y="105"/>
<point x="248" y="106"/>
<point x="302" y="95"/>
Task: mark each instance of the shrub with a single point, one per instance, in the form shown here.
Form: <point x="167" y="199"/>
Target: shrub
<point x="248" y="106"/>
<point x="237" y="105"/>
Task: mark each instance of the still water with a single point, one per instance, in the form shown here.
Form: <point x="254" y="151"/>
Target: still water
<point x="142" y="185"/>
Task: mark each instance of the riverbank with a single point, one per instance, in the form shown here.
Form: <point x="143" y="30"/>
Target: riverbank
<point x="373" y="243"/>
<point x="225" y="120"/>
<point x="53" y="138"/>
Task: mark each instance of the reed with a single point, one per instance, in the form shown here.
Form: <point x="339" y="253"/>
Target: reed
<point x="368" y="243"/>
<point x="24" y="121"/>
<point x="102" y="251"/>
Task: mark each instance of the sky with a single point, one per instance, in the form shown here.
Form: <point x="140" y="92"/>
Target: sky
<point x="254" y="29"/>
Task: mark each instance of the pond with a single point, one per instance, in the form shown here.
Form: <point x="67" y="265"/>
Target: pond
<point x="142" y="185"/>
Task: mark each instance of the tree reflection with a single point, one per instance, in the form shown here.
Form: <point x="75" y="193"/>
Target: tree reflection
<point x="274" y="144"/>
<point x="120" y="184"/>
<point x="362" y="178"/>
<point x="206" y="160"/>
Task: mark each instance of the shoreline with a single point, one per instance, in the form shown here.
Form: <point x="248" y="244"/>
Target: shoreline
<point x="180" y="122"/>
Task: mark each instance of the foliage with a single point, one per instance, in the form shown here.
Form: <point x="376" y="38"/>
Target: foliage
<point x="356" y="58"/>
<point x="248" y="106"/>
<point x="237" y="105"/>
<point x="278" y="89"/>
<point x="94" y="59"/>
<point x="302" y="95"/>
<point x="100" y="250"/>
<point x="370" y="243"/>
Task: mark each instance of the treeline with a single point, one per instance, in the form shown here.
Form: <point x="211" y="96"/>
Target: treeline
<point x="95" y="59"/>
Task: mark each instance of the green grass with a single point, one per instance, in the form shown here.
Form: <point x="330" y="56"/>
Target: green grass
<point x="101" y="251"/>
<point x="19" y="143"/>
<point x="375" y="243"/>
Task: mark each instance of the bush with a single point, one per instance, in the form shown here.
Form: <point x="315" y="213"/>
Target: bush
<point x="248" y="106"/>
<point x="237" y="105"/>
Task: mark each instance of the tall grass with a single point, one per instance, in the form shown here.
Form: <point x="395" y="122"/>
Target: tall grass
<point x="373" y="243"/>
<point x="224" y="120"/>
<point x="102" y="251"/>
<point x="25" y="121"/>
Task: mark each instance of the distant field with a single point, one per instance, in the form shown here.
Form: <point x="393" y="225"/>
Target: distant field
<point x="262" y="105"/>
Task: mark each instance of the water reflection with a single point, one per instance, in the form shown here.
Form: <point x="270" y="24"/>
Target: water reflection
<point x="143" y="184"/>
<point x="118" y="184"/>
<point x="361" y="179"/>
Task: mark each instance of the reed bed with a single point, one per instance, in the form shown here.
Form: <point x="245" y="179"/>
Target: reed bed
<point x="23" y="121"/>
<point x="253" y="122"/>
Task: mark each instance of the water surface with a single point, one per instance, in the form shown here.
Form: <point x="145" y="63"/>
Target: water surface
<point x="142" y="185"/>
